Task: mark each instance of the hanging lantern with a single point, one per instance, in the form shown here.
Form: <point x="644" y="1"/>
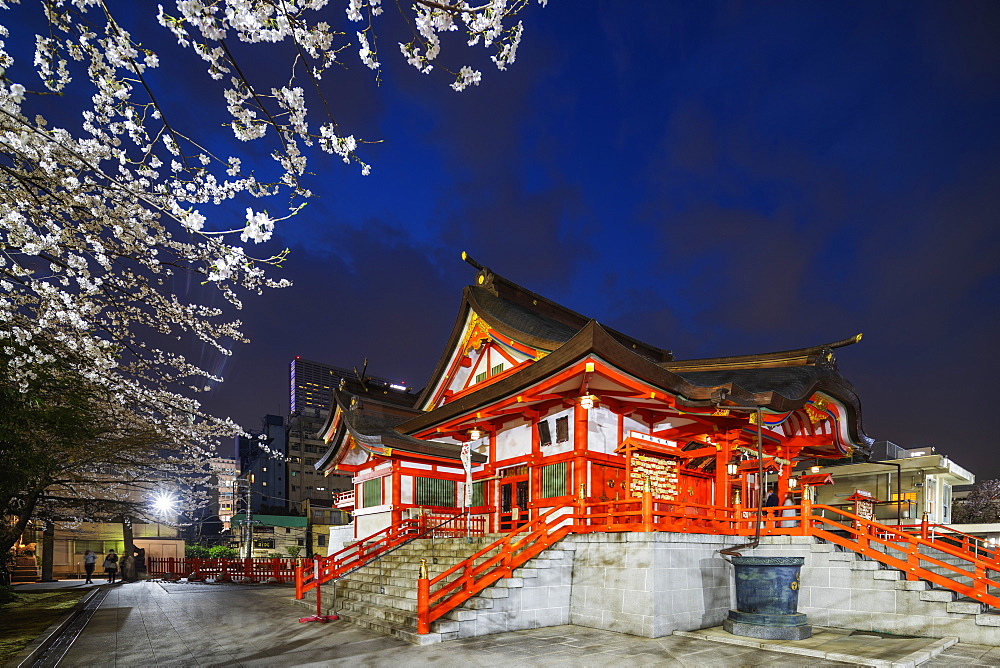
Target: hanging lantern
<point x="793" y="482"/>
<point x="587" y="401"/>
<point x="475" y="434"/>
<point x="733" y="468"/>
<point x="814" y="469"/>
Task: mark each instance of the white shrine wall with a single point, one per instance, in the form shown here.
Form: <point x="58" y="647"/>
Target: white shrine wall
<point x="514" y="442"/>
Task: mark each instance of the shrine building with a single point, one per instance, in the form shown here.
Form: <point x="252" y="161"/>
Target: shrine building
<point x="558" y="408"/>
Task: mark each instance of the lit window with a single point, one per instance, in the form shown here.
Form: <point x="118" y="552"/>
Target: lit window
<point x="321" y="489"/>
<point x="264" y="483"/>
<point x="264" y="469"/>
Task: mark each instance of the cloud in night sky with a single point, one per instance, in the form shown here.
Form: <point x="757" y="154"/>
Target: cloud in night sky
<point x="717" y="179"/>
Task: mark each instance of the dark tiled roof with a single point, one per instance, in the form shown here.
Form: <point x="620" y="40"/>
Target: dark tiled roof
<point x="778" y="388"/>
<point x="520" y="318"/>
<point x="791" y="382"/>
<point x="369" y="425"/>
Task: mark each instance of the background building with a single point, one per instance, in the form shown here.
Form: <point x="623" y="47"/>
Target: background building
<point x="266" y="467"/>
<point x="918" y="481"/>
<point x="312" y="386"/>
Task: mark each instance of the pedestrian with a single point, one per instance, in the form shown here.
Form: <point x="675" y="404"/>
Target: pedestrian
<point x="771" y="502"/>
<point x="127" y="564"/>
<point x="111" y="565"/>
<point x="788" y="512"/>
<point x="89" y="561"/>
<point x="772" y="499"/>
<point x="140" y="563"/>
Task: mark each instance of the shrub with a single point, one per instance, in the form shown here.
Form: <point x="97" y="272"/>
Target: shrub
<point x="196" y="551"/>
<point x="222" y="552"/>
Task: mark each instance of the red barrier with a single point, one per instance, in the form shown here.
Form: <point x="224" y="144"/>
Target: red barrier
<point x="258" y="569"/>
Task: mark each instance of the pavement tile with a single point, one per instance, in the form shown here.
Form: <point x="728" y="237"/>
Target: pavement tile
<point x="209" y="625"/>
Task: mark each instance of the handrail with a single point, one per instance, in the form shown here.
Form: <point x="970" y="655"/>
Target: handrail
<point x="866" y="537"/>
<point x="361" y="553"/>
<point x="867" y="532"/>
<point x="466" y="579"/>
<point x="538" y="535"/>
<point x="968" y="541"/>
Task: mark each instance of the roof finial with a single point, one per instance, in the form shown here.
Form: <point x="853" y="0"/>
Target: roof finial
<point x="468" y="258"/>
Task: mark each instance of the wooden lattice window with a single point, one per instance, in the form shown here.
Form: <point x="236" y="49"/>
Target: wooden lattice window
<point x="480" y="377"/>
<point x="497" y="369"/>
<point x="371" y="492"/>
<point x="554" y="480"/>
<point x="435" y="492"/>
<point x="479" y="493"/>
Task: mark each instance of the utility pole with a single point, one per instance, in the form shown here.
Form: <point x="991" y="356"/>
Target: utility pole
<point x="241" y="489"/>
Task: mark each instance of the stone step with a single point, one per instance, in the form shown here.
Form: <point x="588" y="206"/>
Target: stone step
<point x="376" y="588"/>
<point x="990" y="618"/>
<point x="865" y="565"/>
<point x="408" y="618"/>
<point x="945" y="595"/>
<point x="887" y="574"/>
<point x="408" y="634"/>
<point x="966" y="606"/>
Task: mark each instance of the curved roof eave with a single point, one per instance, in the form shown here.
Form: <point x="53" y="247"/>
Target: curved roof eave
<point x="595" y="339"/>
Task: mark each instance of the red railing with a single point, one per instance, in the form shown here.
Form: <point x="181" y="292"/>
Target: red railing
<point x="257" y="569"/>
<point x="445" y="592"/>
<point x="891" y="545"/>
<point x="954" y="537"/>
<point x="317" y="572"/>
<point x="451" y="526"/>
<point x="516" y="548"/>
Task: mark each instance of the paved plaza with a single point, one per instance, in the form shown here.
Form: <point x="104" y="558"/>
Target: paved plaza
<point x="181" y="624"/>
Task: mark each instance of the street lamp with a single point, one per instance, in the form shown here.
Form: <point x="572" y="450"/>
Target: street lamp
<point x="163" y="502"/>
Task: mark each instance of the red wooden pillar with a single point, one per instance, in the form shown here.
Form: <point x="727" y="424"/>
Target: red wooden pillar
<point x="647" y="508"/>
<point x="581" y="426"/>
<point x="396" y="481"/>
<point x="722" y="456"/>
<point x="492" y="490"/>
<point x="534" y="473"/>
<point x="423" y="599"/>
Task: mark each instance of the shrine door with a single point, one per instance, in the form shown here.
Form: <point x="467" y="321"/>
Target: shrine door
<point x="514" y="498"/>
<point x="607" y="483"/>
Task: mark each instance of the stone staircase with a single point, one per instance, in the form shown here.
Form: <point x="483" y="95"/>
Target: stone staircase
<point x="930" y="610"/>
<point x="382" y="595"/>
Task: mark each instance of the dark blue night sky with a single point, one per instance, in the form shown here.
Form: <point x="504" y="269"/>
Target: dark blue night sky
<point x="714" y="178"/>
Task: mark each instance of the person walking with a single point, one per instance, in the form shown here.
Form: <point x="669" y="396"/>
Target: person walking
<point x="89" y="562"/>
<point x="127" y="564"/>
<point x="140" y="563"/>
<point x="111" y="565"/>
<point x="771" y="502"/>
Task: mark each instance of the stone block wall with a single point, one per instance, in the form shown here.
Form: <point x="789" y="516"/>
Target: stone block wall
<point x="538" y="595"/>
<point x="845" y="590"/>
<point x="650" y="584"/>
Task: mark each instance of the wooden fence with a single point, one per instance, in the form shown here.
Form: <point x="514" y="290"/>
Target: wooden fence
<point x="258" y="569"/>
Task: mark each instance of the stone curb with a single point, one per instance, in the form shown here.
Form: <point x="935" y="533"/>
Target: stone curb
<point x="910" y="660"/>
